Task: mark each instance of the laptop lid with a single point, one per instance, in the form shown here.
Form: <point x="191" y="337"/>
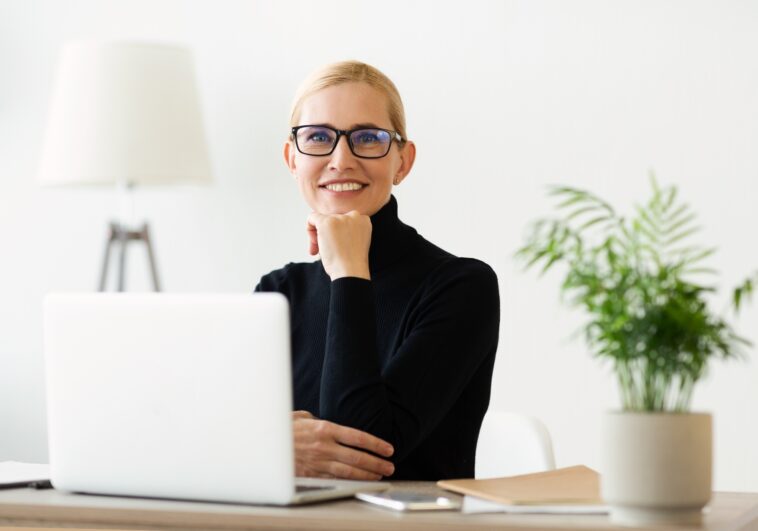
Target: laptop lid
<point x="170" y="395"/>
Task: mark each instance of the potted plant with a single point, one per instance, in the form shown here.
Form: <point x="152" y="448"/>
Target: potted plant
<point x="640" y="283"/>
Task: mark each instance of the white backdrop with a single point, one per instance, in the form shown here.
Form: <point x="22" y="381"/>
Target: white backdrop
<point x="502" y="97"/>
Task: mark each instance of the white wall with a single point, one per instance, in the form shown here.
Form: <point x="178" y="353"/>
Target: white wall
<point x="502" y="99"/>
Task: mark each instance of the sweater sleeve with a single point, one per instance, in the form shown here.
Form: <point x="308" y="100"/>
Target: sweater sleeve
<point x="449" y="333"/>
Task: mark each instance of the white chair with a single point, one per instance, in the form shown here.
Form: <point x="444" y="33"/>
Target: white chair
<point x="511" y="444"/>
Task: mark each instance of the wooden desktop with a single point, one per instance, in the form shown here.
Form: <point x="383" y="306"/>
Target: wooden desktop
<point x="50" y="508"/>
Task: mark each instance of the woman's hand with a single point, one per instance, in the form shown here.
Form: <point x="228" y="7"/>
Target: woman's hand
<point x="343" y="240"/>
<point x="328" y="450"/>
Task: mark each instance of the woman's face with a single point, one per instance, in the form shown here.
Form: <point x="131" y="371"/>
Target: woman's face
<point x="347" y="106"/>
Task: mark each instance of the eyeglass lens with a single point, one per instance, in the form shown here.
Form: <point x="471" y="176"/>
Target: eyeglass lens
<point x="369" y="143"/>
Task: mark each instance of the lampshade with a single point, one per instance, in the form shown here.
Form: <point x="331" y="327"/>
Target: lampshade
<point x="124" y="112"/>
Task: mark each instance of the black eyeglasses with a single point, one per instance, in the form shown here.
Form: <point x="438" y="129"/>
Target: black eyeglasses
<point x="365" y="143"/>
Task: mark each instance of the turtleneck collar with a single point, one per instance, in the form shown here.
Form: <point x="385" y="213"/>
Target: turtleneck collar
<point x="390" y="237"/>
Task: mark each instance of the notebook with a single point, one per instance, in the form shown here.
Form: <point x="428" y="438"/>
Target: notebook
<point x="576" y="485"/>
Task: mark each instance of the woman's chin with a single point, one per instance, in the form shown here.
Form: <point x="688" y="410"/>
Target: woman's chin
<point x="336" y="204"/>
<point x="331" y="203"/>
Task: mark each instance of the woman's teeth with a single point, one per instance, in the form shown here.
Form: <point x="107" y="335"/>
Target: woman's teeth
<point x="343" y="187"/>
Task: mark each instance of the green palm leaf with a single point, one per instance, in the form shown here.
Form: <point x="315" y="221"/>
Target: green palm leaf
<point x="632" y="278"/>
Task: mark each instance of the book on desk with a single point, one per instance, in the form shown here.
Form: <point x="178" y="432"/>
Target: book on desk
<point x="574" y="489"/>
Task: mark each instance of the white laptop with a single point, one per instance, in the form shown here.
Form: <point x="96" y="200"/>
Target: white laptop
<point x="175" y="396"/>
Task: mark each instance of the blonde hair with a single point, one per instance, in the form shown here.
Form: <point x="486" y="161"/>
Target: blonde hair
<point x="347" y="72"/>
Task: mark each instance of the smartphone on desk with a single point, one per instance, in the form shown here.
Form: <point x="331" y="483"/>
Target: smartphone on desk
<point x="409" y="501"/>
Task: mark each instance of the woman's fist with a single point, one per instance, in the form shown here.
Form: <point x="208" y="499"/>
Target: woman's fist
<point x="343" y="241"/>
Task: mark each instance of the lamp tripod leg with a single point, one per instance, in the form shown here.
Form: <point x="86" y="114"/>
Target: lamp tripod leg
<point x="151" y="257"/>
<point x="106" y="257"/>
<point x="123" y="239"/>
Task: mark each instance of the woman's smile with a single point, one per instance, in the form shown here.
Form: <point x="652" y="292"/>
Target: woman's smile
<point x="347" y="188"/>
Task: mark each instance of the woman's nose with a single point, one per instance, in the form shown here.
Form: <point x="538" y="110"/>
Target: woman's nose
<point x="342" y="158"/>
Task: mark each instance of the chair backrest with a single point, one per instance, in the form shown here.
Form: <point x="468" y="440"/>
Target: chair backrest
<point x="511" y="444"/>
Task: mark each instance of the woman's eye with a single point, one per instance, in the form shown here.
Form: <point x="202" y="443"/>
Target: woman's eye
<point x="367" y="138"/>
<point x="319" y="138"/>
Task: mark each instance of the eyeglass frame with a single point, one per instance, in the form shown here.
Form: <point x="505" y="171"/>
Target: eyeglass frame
<point x="395" y="136"/>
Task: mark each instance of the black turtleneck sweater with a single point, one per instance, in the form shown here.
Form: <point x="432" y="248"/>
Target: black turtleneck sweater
<point x="406" y="356"/>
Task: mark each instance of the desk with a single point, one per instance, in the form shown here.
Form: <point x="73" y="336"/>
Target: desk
<point x="50" y="508"/>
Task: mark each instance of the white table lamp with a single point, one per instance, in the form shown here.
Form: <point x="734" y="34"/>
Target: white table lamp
<point x="125" y="114"/>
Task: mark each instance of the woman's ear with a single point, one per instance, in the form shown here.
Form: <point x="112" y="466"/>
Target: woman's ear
<point x="407" y="157"/>
<point x="289" y="157"/>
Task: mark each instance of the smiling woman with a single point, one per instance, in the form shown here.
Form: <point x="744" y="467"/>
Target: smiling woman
<point x="393" y="339"/>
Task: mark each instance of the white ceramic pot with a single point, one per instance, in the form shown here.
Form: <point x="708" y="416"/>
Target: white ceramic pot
<point x="656" y="467"/>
